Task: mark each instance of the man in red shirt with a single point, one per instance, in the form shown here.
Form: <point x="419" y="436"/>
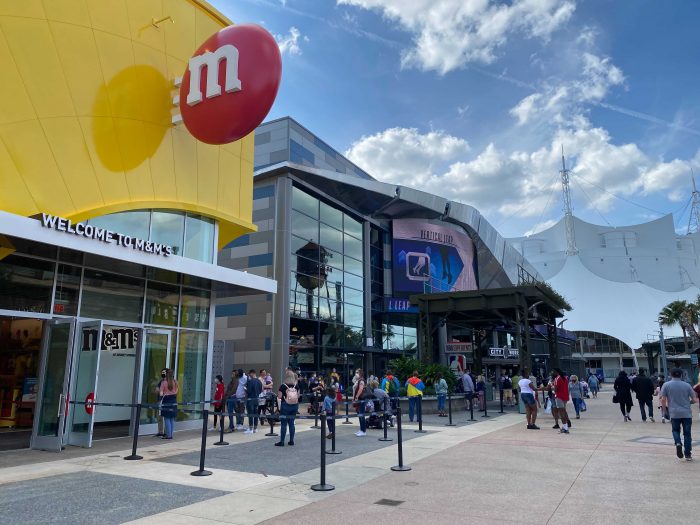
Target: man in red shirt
<point x="561" y="398"/>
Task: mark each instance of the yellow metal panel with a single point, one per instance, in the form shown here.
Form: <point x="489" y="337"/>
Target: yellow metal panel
<point x="103" y="60"/>
<point x="207" y="165"/>
<point x="70" y="11"/>
<point x="10" y="177"/>
<point x="141" y="15"/>
<point x="248" y="148"/>
<point x="180" y="40"/>
<point x="14" y="101"/>
<point x="81" y="66"/>
<point x="32" y="47"/>
<point x="109" y="16"/>
<point x="65" y="138"/>
<point x="26" y="144"/>
<point x="101" y="141"/>
<point x="26" y="8"/>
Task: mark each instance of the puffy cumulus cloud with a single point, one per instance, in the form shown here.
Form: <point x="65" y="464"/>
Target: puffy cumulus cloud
<point x="290" y="43"/>
<point x="404" y="155"/>
<point x="520" y="183"/>
<point x="447" y="34"/>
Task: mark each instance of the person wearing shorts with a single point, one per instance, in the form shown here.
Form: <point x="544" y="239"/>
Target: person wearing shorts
<point x="528" y="395"/>
<point x="561" y="397"/>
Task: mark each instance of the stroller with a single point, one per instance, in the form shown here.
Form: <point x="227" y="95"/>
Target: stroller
<point x="376" y="419"/>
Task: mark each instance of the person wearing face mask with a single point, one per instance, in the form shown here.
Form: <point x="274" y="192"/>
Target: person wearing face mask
<point x="161" y="432"/>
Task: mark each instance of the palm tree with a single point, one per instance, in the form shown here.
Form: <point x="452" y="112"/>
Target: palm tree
<point x="675" y="313"/>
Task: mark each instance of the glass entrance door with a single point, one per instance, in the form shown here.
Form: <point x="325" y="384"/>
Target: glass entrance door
<point x="54" y="375"/>
<point x="156" y="355"/>
<point x="84" y="371"/>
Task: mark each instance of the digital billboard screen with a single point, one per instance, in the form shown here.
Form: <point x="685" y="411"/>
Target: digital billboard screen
<point x="429" y="258"/>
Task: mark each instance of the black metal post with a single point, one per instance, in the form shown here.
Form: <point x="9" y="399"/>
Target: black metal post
<point x="501" y="395"/>
<point x="221" y="432"/>
<point x="385" y="438"/>
<point x="420" y="416"/>
<point x="135" y="442"/>
<point x="323" y="486"/>
<point x="272" y="426"/>
<point x="486" y="406"/>
<point x="400" y="467"/>
<point x="471" y="407"/>
<point x="202" y="450"/>
<point x="333" y="450"/>
<point x="316" y="409"/>
<point x="449" y="410"/>
<point x="347" y="419"/>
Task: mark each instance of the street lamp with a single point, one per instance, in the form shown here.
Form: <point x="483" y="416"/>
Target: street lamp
<point x="662" y="344"/>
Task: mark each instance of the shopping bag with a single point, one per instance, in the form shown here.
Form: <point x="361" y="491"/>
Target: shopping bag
<point x="548" y="406"/>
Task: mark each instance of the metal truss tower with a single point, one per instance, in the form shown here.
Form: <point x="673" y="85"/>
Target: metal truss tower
<point x="568" y="208"/>
<point x="694" y="221"/>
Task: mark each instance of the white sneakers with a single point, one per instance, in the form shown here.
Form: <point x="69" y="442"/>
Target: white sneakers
<point x="359" y="433"/>
<point x="213" y="429"/>
<point x="248" y="431"/>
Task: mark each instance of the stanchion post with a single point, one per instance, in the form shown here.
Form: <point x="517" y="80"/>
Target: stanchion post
<point x="316" y="410"/>
<point x="420" y="416"/>
<point x="135" y="442"/>
<point x="385" y="438"/>
<point x="400" y="467"/>
<point x="221" y="432"/>
<point x="333" y="450"/>
<point x="501" y="396"/>
<point x="471" y="407"/>
<point x="323" y="486"/>
<point x="347" y="419"/>
<point x="202" y="451"/>
<point x="486" y="406"/>
<point x="272" y="426"/>
<point x="449" y="410"/>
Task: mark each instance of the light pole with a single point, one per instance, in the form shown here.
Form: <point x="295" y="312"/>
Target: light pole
<point x="662" y="344"/>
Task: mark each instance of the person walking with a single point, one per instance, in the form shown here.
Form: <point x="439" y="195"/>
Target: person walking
<point x="515" y="380"/>
<point x="288" y="394"/>
<point x="441" y="393"/>
<point x="328" y="404"/>
<point x="159" y="417"/>
<point x="507" y="387"/>
<point x="253" y="389"/>
<point x="528" y="393"/>
<point x="392" y="386"/>
<point x="576" y="394"/>
<point x="218" y="403"/>
<point x="644" y="388"/>
<point x="168" y="394"/>
<point x="358" y="399"/>
<point x="230" y="396"/>
<point x="560" y="385"/>
<point x="593" y="385"/>
<point x="468" y="386"/>
<point x="623" y="394"/>
<point x="680" y="395"/>
<point x="414" y="390"/>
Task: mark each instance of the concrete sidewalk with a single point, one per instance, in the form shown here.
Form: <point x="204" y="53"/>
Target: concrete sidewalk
<point x="491" y="470"/>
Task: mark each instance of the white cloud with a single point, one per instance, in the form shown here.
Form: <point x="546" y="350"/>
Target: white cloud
<point x="448" y="34"/>
<point x="404" y="155"/>
<point x="519" y="183"/>
<point x="289" y="43"/>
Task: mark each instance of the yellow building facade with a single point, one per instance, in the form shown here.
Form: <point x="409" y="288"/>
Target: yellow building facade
<point x="86" y="112"/>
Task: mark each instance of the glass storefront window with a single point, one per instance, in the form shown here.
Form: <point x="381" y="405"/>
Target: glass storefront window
<point x="354" y="281"/>
<point x="331" y="239"/>
<point x="191" y="370"/>
<point x="352" y="226"/>
<point x="304" y="202"/>
<point x="133" y="223"/>
<point x="353" y="265"/>
<point x="110" y="296"/>
<point x="353" y="246"/>
<point x="199" y="238"/>
<point x="195" y="309"/>
<point x="26" y="284"/>
<point x="167" y="227"/>
<point x="67" y="290"/>
<point x="331" y="216"/>
<point x="304" y="226"/>
<point x="162" y="304"/>
<point x="354" y="315"/>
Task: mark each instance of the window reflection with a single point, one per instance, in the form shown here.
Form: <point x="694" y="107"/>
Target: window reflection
<point x="67" y="290"/>
<point x="304" y="202"/>
<point x="133" y="223"/>
<point x="168" y="228"/>
<point x="199" y="238"/>
<point x="25" y="284"/>
<point x="195" y="309"/>
<point x="162" y="304"/>
<point x="111" y="296"/>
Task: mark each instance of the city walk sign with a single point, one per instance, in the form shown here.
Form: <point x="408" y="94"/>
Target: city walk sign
<point x="230" y="84"/>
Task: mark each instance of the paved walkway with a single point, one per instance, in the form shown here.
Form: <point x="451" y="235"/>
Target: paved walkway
<point x="493" y="470"/>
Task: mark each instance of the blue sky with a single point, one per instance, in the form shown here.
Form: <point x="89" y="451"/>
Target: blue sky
<point x="473" y="99"/>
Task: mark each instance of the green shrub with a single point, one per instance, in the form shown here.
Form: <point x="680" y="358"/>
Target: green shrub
<point x="403" y="368"/>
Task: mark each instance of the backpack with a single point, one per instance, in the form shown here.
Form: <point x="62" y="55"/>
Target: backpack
<point x="507" y="384"/>
<point x="392" y="390"/>
<point x="291" y="396"/>
<point x="459" y="387"/>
